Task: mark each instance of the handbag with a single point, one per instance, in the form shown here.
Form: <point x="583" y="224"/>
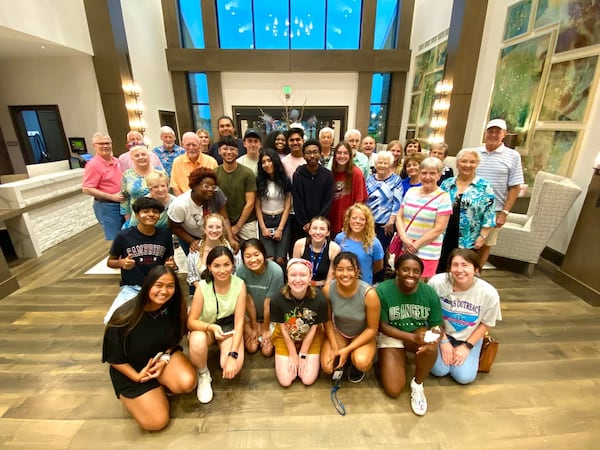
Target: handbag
<point x="489" y="349"/>
<point x="395" y="246"/>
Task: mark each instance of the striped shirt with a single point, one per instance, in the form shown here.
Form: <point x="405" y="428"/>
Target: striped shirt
<point x="384" y="197"/>
<point x="425" y="219"/>
<point x="502" y="168"/>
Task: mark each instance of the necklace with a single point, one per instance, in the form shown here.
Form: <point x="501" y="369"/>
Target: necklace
<point x="159" y="312"/>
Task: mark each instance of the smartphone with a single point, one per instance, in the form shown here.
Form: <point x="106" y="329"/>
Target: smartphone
<point x="272" y="231"/>
<point x="156" y="358"/>
<point x="337" y="373"/>
<point x="228" y="333"/>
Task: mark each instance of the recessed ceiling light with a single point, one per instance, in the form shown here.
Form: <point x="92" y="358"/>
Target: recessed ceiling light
<point x="43" y="46"/>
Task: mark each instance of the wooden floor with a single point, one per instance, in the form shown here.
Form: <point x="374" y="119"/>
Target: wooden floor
<point x="543" y="392"/>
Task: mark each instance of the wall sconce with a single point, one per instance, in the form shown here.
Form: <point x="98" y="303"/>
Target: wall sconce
<point x="440" y="108"/>
<point x="134" y="107"/>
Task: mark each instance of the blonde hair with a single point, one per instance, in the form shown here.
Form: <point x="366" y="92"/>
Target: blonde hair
<point x="222" y="240"/>
<point x="155" y="177"/>
<point x="368" y="234"/>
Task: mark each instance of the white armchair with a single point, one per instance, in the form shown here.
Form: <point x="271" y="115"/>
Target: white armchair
<point x="524" y="236"/>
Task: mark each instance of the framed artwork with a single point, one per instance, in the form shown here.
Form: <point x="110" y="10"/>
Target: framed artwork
<point x="517" y="83"/>
<point x="568" y="88"/>
<point x="550" y="151"/>
<point x="414" y="108"/>
<point x="441" y="50"/>
<point x="517" y="19"/>
<point x="429" y="82"/>
<point x="578" y="21"/>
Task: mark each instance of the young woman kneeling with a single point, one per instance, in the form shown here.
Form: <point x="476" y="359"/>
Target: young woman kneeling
<point x="409" y="308"/>
<point x="353" y="319"/>
<point x="141" y="344"/>
<point x="298" y="312"/>
<point x="217" y="315"/>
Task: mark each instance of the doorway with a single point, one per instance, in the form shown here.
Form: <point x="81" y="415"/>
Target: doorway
<point x="40" y="133"/>
<point x="312" y="118"/>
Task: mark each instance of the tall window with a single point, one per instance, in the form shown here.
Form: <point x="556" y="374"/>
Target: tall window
<point x="380" y="95"/>
<point x="200" y="103"/>
<point x="291" y="24"/>
<point x="386" y="24"/>
<point x="192" y="29"/>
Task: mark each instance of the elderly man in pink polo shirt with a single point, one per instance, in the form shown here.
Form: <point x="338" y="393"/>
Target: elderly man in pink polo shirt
<point x="102" y="180"/>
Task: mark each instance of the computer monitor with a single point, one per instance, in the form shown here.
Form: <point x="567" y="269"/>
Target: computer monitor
<point x="77" y="145"/>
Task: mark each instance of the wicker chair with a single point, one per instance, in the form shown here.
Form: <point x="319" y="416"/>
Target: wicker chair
<point x="524" y="236"/>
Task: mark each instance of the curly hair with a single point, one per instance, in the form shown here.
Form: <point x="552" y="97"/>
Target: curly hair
<point x="200" y="174"/>
<point x="368" y="234"/>
<point x="270" y="140"/>
<point x="262" y="178"/>
<point x="349" y="169"/>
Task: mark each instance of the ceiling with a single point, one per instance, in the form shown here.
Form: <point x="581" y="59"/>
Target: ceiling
<point x="14" y="44"/>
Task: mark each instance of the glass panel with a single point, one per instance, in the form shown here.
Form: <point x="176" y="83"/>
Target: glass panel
<point x="198" y="87"/>
<point x="307" y="25"/>
<point x="201" y="117"/>
<point x="380" y="88"/>
<point x="271" y="25"/>
<point x="386" y="25"/>
<point x="234" y="19"/>
<point x="343" y="24"/>
<point x="192" y="30"/>
<point x="377" y="122"/>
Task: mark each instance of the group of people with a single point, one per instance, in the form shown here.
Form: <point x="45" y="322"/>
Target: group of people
<point x="267" y="273"/>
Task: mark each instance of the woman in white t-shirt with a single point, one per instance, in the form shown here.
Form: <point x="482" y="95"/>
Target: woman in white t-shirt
<point x="470" y="307"/>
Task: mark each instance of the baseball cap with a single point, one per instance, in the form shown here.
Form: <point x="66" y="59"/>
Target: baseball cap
<point x="253" y="132"/>
<point x="500" y="123"/>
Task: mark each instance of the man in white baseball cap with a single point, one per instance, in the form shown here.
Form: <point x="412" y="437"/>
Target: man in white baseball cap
<point x="501" y="166"/>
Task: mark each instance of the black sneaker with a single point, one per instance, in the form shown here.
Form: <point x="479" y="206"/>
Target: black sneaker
<point x="355" y="375"/>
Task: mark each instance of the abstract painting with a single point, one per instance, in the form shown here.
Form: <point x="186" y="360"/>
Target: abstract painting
<point x="550" y="151"/>
<point x="517" y="84"/>
<point x="568" y="88"/>
<point x="579" y="22"/>
<point x="414" y="109"/>
<point x="517" y="19"/>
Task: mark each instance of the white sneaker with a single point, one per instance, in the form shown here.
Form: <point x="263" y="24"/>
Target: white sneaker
<point x="204" y="390"/>
<point x="418" y="402"/>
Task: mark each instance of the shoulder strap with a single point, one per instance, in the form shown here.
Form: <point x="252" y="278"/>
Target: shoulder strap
<point x="421" y="209"/>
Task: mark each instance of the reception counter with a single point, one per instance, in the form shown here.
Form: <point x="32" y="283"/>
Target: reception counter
<point x="43" y="211"/>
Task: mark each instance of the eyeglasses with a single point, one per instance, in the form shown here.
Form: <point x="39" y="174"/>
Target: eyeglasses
<point x="311" y="152"/>
<point x="209" y="187"/>
<point x="103" y="144"/>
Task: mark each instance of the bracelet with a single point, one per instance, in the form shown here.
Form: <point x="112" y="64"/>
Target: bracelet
<point x="207" y="327"/>
<point x="302" y="355"/>
<point x="165" y="357"/>
<point x="444" y="341"/>
<point x="482" y="236"/>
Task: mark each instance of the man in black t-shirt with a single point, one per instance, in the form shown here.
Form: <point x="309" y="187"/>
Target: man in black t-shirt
<point x="138" y="249"/>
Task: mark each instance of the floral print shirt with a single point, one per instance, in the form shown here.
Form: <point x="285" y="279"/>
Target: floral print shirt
<point x="298" y="315"/>
<point x="476" y="209"/>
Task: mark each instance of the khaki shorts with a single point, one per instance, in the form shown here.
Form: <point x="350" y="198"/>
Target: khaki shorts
<point x="385" y="341"/>
<point x="492" y="237"/>
<point x="281" y="347"/>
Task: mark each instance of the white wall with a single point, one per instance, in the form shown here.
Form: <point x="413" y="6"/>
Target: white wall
<point x="147" y="42"/>
<point x="66" y="81"/>
<point x="484" y="82"/>
<point x="430" y="18"/>
<point x="310" y="89"/>
<point x="60" y="21"/>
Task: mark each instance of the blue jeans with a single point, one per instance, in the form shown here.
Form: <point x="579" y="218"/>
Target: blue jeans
<point x="109" y="216"/>
<point x="463" y="374"/>
<point x="125" y="294"/>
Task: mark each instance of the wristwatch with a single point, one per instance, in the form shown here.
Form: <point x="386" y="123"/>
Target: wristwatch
<point x="483" y="236"/>
<point x="469" y="345"/>
<point x="505" y="212"/>
<point x="302" y="355"/>
<point x="235" y="355"/>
